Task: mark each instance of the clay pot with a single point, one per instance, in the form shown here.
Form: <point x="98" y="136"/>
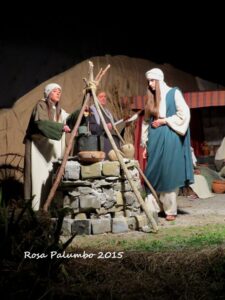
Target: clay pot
<point x="91" y="156"/>
<point x="205" y="149"/>
<point x="128" y="150"/>
<point x="218" y="186"/>
<point x="112" y="155"/>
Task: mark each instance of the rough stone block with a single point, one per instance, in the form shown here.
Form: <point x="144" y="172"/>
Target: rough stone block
<point x="84" y="190"/>
<point x="89" y="202"/>
<point x="75" y="203"/>
<point x="67" y="226"/>
<point x="111" y="168"/>
<point x="123" y="186"/>
<point x="119" y="198"/>
<point x="101" y="225"/>
<point x="91" y="171"/>
<point x="129" y="198"/>
<point x="81" y="216"/>
<point x="81" y="227"/>
<point x="119" y="225"/>
<point x="142" y="220"/>
<point x="118" y="214"/>
<point x="132" y="223"/>
<point x="72" y="170"/>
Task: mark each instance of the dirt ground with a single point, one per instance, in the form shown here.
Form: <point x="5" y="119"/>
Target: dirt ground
<point x="198" y="211"/>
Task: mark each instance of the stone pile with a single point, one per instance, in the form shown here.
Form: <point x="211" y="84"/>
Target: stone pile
<point x="99" y="198"/>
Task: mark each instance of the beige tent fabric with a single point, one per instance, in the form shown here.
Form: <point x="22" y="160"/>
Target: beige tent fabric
<point x="126" y="77"/>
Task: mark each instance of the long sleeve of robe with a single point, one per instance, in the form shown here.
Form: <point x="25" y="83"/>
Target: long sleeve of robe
<point x="45" y="142"/>
<point x="179" y="121"/>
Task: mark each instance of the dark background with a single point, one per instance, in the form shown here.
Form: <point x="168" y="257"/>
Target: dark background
<point x="191" y="40"/>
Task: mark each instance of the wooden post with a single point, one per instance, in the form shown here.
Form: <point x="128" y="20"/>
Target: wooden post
<point x="73" y="134"/>
<point x="126" y="171"/>
<point x="66" y="155"/>
<point x="139" y="169"/>
<point x="74" y="131"/>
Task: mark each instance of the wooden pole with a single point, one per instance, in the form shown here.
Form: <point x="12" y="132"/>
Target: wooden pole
<point x="139" y="169"/>
<point x="89" y="89"/>
<point x="149" y="185"/>
<point x="73" y="134"/>
<point x="66" y="155"/>
<point x="126" y="171"/>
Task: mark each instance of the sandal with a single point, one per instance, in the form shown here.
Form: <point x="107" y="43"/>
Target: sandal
<point x="192" y="197"/>
<point x="170" y="218"/>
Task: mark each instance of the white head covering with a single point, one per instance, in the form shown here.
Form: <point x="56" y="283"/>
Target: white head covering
<point x="49" y="87"/>
<point x="155" y="73"/>
<point x="220" y="153"/>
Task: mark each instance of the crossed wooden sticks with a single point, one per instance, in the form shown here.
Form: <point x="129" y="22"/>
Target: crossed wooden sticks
<point x="90" y="91"/>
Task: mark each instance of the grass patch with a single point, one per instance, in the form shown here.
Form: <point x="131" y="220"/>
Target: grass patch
<point x="167" y="239"/>
<point x="144" y="271"/>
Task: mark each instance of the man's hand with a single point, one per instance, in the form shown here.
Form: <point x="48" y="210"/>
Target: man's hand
<point x="158" y="123"/>
<point x="86" y="111"/>
<point x="126" y="117"/>
<point x="66" y="128"/>
<point x="109" y="125"/>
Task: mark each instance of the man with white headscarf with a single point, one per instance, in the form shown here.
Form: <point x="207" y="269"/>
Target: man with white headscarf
<point x="44" y="142"/>
<point x="166" y="138"/>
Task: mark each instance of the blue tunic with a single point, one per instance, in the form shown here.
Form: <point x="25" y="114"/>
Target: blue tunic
<point x="169" y="163"/>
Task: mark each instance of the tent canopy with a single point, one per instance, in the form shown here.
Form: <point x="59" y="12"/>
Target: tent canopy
<point x="205" y="99"/>
<point x="193" y="99"/>
<point x="125" y="77"/>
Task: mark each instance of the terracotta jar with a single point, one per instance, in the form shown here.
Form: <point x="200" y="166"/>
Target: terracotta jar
<point x="218" y="186"/>
<point x="205" y="149"/>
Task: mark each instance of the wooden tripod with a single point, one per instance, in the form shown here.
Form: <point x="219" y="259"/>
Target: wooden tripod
<point x="90" y="90"/>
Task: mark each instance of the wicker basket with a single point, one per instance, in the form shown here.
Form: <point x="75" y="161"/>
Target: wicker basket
<point x="218" y="186"/>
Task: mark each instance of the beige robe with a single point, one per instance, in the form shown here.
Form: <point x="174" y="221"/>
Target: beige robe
<point x="41" y="151"/>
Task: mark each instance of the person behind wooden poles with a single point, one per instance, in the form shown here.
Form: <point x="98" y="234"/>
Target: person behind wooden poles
<point x="110" y="120"/>
<point x="166" y="139"/>
<point x="94" y="132"/>
<point x="44" y="142"/>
